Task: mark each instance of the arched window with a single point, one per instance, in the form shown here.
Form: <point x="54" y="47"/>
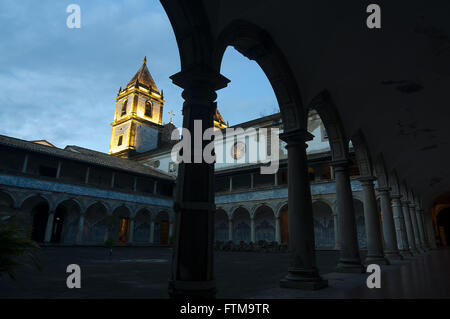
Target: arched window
<point x="120" y="140"/>
<point x="148" y="109"/>
<point x="124" y="108"/>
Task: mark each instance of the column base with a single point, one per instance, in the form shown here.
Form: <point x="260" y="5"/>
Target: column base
<point x="303" y="279"/>
<point x="379" y="260"/>
<point x="393" y="255"/>
<point x="192" y="289"/>
<point x="406" y="253"/>
<point x="353" y="266"/>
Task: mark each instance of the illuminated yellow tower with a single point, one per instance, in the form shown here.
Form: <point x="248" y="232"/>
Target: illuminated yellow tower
<point x="138" y="116"/>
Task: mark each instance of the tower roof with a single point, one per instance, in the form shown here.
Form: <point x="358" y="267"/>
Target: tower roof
<point x="218" y="120"/>
<point x="144" y="77"/>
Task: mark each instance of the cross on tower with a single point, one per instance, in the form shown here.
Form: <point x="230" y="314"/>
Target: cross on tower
<point x="171" y="115"/>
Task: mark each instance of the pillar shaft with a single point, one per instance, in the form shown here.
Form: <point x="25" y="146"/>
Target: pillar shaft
<point x="277" y="230"/>
<point x="192" y="273"/>
<point x="420" y="229"/>
<point x="152" y="232"/>
<point x="302" y="273"/>
<point x="390" y="237"/>
<point x="131" y="233"/>
<point x="415" y="227"/>
<point x="252" y="230"/>
<point x="49" y="228"/>
<point x="402" y="239"/>
<point x="349" y="259"/>
<point x="409" y="227"/>
<point x="336" y="232"/>
<point x="79" y="239"/>
<point x="431" y="232"/>
<point x="230" y="229"/>
<point x="375" y="253"/>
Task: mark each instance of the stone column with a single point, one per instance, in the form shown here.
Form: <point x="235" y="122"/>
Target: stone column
<point x="170" y="229"/>
<point x="49" y="228"/>
<point x="375" y="253"/>
<point x="230" y="229"/>
<point x="131" y="233"/>
<point x="415" y="227"/>
<point x="349" y="259"/>
<point x="402" y="239"/>
<point x="252" y="230"/>
<point x="425" y="230"/>
<point x="79" y="239"/>
<point x="152" y="232"/>
<point x="192" y="271"/>
<point x="390" y="238"/>
<point x="420" y="229"/>
<point x="302" y="273"/>
<point x="277" y="230"/>
<point x="431" y="232"/>
<point x="409" y="227"/>
<point x="336" y="231"/>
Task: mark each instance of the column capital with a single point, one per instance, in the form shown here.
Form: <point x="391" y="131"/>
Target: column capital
<point x="297" y="136"/>
<point x="199" y="76"/>
<point x="405" y="202"/>
<point x="340" y="164"/>
<point x="396" y="196"/>
<point x="384" y="190"/>
<point x="367" y="180"/>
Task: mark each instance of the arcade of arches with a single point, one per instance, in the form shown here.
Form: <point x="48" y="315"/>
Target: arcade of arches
<point x="352" y="107"/>
<point x="68" y="223"/>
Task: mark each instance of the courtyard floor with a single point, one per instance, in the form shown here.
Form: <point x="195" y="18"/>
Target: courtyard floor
<point x="142" y="272"/>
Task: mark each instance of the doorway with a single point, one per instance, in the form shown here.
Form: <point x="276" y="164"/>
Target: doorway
<point x="124" y="229"/>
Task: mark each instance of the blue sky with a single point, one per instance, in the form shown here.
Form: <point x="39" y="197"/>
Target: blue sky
<point x="60" y="84"/>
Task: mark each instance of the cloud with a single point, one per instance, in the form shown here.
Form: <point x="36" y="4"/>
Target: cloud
<point x="60" y="84"/>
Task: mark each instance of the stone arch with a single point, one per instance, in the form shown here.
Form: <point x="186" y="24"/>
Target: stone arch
<point x="94" y="228"/>
<point x="381" y="172"/>
<point x="360" y="222"/>
<point x="221" y="225"/>
<point x="37" y="207"/>
<point x="142" y="222"/>
<point x="162" y="225"/>
<point x="7" y="201"/>
<point x="362" y="154"/>
<point x="264" y="219"/>
<point x="394" y="183"/>
<point x="256" y="44"/>
<point x="66" y="221"/>
<point x="192" y="31"/>
<point x="330" y="117"/>
<point x="241" y="225"/>
<point x="323" y="225"/>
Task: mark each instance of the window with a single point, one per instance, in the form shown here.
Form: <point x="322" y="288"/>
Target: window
<point x="124" y="108"/>
<point x="172" y="167"/>
<point x="324" y="133"/>
<point x="148" y="109"/>
<point x="120" y="140"/>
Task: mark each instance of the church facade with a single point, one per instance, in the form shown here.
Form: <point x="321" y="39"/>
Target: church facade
<point x="79" y="196"/>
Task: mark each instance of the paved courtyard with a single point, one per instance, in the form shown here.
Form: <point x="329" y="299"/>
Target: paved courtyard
<point x="142" y="272"/>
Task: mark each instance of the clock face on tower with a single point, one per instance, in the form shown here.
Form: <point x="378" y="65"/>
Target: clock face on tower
<point x="238" y="150"/>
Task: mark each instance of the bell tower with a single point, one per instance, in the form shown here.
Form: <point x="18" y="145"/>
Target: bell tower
<point x="138" y="116"/>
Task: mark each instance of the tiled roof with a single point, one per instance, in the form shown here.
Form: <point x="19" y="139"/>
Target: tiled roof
<point x="144" y="77"/>
<point x="85" y="155"/>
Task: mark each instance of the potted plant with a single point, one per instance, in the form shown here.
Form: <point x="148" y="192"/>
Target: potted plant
<point x="16" y="247"/>
<point x="110" y="222"/>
